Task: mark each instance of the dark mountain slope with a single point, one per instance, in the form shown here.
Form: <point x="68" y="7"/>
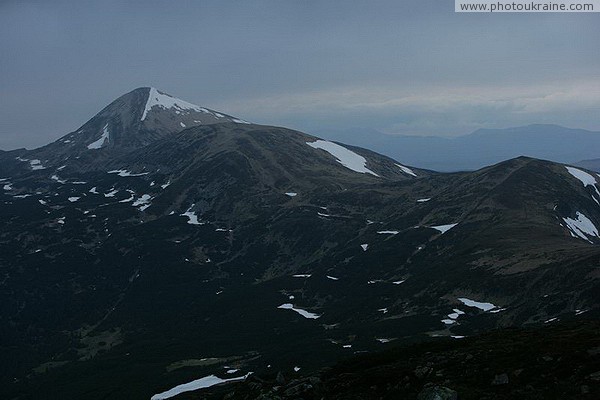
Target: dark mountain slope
<point x="556" y="362"/>
<point x="130" y="270"/>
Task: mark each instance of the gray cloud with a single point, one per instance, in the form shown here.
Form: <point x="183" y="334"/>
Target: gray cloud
<point x="400" y="67"/>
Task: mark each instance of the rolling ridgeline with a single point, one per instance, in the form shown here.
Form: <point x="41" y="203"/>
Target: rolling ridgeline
<point x="164" y="242"/>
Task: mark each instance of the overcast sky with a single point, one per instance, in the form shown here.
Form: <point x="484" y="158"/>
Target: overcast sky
<point x="401" y="66"/>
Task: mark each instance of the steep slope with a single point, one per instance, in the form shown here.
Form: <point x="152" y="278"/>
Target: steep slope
<point x="134" y="120"/>
<point x="238" y="245"/>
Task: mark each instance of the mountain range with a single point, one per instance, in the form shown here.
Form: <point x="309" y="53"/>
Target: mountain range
<point x="164" y="244"/>
<point x="480" y="148"/>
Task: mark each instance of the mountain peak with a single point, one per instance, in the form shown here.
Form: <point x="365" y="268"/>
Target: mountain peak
<point x="157" y="98"/>
<point x="134" y="120"/>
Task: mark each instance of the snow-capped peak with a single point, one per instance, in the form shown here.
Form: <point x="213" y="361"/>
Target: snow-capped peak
<point x="162" y="100"/>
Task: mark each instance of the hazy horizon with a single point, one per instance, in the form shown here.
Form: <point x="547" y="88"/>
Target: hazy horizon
<point x="413" y="68"/>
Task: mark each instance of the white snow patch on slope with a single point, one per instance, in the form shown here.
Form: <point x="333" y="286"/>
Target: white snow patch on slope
<point x="192" y="217"/>
<point x="112" y="193"/>
<point x="333" y="278"/>
<point x="164" y="101"/>
<point x="73" y="199"/>
<point x="304" y="313"/>
<point x="364" y="246"/>
<point x="130" y="198"/>
<point x="388" y="232"/>
<point x="124" y="173"/>
<point x="103" y="141"/>
<point x="477" y="304"/>
<point x="347" y="158"/>
<point x="291" y="194"/>
<point x="8" y="186"/>
<point x="57" y="179"/>
<point x="455" y="314"/>
<point x="36" y="165"/>
<point x="406" y="170"/>
<point x="423" y="200"/>
<point x="201" y="383"/>
<point x="443" y="228"/>
<point x="584" y="177"/>
<point x="582" y="227"/>
<point x="143" y="202"/>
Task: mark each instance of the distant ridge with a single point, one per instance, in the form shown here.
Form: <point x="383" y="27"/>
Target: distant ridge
<point x="480" y="148"/>
<point x="594" y="164"/>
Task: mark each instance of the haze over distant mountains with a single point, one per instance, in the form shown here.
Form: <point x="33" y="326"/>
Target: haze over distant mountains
<point x="480" y="148"/>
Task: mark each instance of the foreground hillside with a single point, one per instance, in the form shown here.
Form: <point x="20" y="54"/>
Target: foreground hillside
<point x="164" y="242"/>
<point x="554" y="362"/>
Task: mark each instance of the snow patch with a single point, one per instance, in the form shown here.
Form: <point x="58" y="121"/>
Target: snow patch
<point x="36" y="165"/>
<point x="443" y="228"/>
<point x="585" y="178"/>
<point x="581" y="227"/>
<point x="291" y="194"/>
<point x="192" y="217"/>
<point x="476" y="304"/>
<point x="388" y="232"/>
<point x="124" y="173"/>
<point x="347" y="158"/>
<point x="73" y="199"/>
<point x="304" y="313"/>
<point x="164" y="101"/>
<point x="239" y="121"/>
<point x="406" y="170"/>
<point x="364" y="246"/>
<point x="201" y="383"/>
<point x="129" y="199"/>
<point x="166" y="185"/>
<point x="423" y="200"/>
<point x="143" y="202"/>
<point x="455" y="314"/>
<point x="57" y="179"/>
<point x="103" y="141"/>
